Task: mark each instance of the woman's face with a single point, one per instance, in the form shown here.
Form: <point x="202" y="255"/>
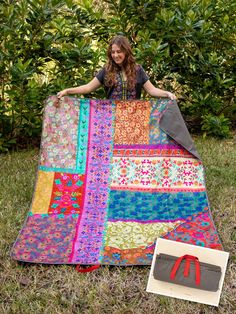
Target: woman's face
<point x="117" y="54"/>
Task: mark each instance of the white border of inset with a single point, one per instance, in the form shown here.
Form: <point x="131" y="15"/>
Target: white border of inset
<point x="206" y="255"/>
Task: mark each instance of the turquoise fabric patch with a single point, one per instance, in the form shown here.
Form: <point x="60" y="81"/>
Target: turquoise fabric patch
<point x="83" y="135"/>
<point x="128" y="205"/>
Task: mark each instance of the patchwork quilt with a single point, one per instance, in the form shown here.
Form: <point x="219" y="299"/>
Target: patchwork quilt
<point x="114" y="176"/>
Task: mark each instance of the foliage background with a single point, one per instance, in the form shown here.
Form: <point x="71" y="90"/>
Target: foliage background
<point x="186" y="46"/>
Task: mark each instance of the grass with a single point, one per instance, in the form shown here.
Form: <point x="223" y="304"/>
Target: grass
<point x="60" y="289"/>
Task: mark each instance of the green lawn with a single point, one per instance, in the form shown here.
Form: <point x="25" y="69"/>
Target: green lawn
<point x="60" y="289"/>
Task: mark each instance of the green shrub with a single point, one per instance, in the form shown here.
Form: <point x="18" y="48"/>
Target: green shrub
<point x="215" y="125"/>
<point x="186" y="46"/>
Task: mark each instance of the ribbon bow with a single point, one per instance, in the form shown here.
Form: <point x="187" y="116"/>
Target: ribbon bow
<point x="188" y="259"/>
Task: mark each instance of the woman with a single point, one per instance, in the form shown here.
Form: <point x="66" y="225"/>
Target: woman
<point x="121" y="77"/>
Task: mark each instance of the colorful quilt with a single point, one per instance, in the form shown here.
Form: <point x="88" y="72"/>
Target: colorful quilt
<point x="113" y="177"/>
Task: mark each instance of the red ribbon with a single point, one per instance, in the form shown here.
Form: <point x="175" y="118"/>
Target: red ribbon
<point x="188" y="259"/>
<point x="80" y="269"/>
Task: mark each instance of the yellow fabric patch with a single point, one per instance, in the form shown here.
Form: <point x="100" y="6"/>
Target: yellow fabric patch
<point x="43" y="191"/>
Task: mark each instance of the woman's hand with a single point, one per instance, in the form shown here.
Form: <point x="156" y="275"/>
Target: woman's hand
<point x="62" y="93"/>
<point x="171" y="96"/>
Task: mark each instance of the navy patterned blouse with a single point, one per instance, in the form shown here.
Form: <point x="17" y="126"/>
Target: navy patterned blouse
<point x="120" y="90"/>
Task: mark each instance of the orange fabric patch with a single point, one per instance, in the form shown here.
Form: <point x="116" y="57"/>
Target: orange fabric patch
<point x="137" y="256"/>
<point x="132" y="122"/>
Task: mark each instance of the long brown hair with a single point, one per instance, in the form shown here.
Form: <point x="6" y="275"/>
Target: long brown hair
<point x="128" y="64"/>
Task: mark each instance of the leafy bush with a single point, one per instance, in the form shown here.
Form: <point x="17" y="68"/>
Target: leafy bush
<point x="215" y="125"/>
<point x="186" y="46"/>
<point x="43" y="50"/>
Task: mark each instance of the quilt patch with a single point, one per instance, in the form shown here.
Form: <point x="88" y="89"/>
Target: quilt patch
<point x="132" y="122"/>
<point x="67" y="194"/>
<point x="46" y="239"/>
<point x="157" y="174"/>
<point x="111" y="180"/>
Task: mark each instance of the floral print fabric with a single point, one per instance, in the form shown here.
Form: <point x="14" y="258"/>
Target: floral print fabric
<point x="157" y="174"/>
<point x="46" y="239"/>
<point x="130" y="235"/>
<point x="132" y="122"/>
<point x="59" y="136"/>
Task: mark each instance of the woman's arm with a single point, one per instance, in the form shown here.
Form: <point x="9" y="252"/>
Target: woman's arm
<point x="83" y="89"/>
<point x="157" y="92"/>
